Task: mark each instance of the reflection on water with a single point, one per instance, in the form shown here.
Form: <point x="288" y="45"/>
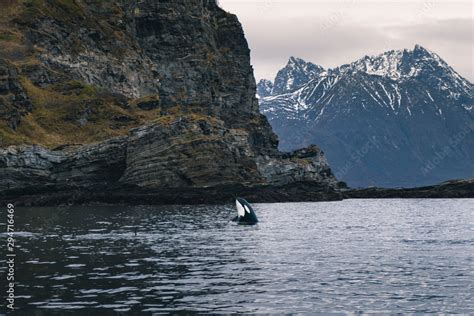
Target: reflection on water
<point x="355" y="255"/>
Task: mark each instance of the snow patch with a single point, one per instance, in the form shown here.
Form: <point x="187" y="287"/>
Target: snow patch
<point x="429" y="95"/>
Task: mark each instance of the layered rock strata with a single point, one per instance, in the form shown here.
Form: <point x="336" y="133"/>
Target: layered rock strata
<point x="184" y="66"/>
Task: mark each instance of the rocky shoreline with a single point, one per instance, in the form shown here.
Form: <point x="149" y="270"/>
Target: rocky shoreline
<point x="303" y="191"/>
<point x="445" y="190"/>
<point x="190" y="162"/>
<point x="296" y="192"/>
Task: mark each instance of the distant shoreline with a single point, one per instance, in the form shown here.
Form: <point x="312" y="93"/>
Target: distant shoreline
<point x="448" y="189"/>
<point x="295" y="192"/>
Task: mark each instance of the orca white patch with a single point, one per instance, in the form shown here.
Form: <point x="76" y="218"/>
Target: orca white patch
<point x="240" y="208"/>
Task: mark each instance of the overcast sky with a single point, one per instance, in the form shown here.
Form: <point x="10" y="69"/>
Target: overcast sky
<point x="332" y="33"/>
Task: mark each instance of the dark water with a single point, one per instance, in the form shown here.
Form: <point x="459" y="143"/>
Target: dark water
<point x="350" y="256"/>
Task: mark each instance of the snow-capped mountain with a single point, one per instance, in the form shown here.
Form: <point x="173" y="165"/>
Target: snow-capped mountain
<point x="296" y="73"/>
<point x="408" y="111"/>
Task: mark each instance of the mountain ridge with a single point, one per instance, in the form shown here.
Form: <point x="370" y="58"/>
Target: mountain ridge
<point x="400" y="96"/>
<point x="393" y="60"/>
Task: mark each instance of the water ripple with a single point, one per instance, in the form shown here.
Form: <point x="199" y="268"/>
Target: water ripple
<point x="371" y="256"/>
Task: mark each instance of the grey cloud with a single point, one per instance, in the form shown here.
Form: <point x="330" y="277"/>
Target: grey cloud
<point x="338" y="43"/>
<point x="452" y="30"/>
<point x="331" y="33"/>
<point x="308" y="40"/>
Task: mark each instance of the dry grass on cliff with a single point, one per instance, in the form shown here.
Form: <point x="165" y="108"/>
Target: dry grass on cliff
<point x="97" y="16"/>
<point x="11" y="46"/>
<point x="190" y="113"/>
<point x="72" y="112"/>
<point x="76" y="113"/>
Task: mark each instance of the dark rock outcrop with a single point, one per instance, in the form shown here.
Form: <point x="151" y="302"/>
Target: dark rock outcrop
<point x="14" y="103"/>
<point x="185" y="161"/>
<point x="187" y="64"/>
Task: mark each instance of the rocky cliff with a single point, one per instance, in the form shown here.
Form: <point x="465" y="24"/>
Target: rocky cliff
<point x="138" y="101"/>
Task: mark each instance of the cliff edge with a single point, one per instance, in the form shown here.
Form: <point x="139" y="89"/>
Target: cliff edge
<point x="138" y="102"/>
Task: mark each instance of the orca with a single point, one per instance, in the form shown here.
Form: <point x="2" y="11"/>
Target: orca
<point x="246" y="214"/>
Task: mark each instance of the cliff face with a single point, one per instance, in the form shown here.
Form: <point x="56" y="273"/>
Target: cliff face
<point x="14" y="102"/>
<point x="169" y="84"/>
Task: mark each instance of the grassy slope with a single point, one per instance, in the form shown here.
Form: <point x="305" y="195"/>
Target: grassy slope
<point x="71" y="112"/>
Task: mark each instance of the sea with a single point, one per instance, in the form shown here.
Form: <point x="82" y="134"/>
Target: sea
<point x="351" y="256"/>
